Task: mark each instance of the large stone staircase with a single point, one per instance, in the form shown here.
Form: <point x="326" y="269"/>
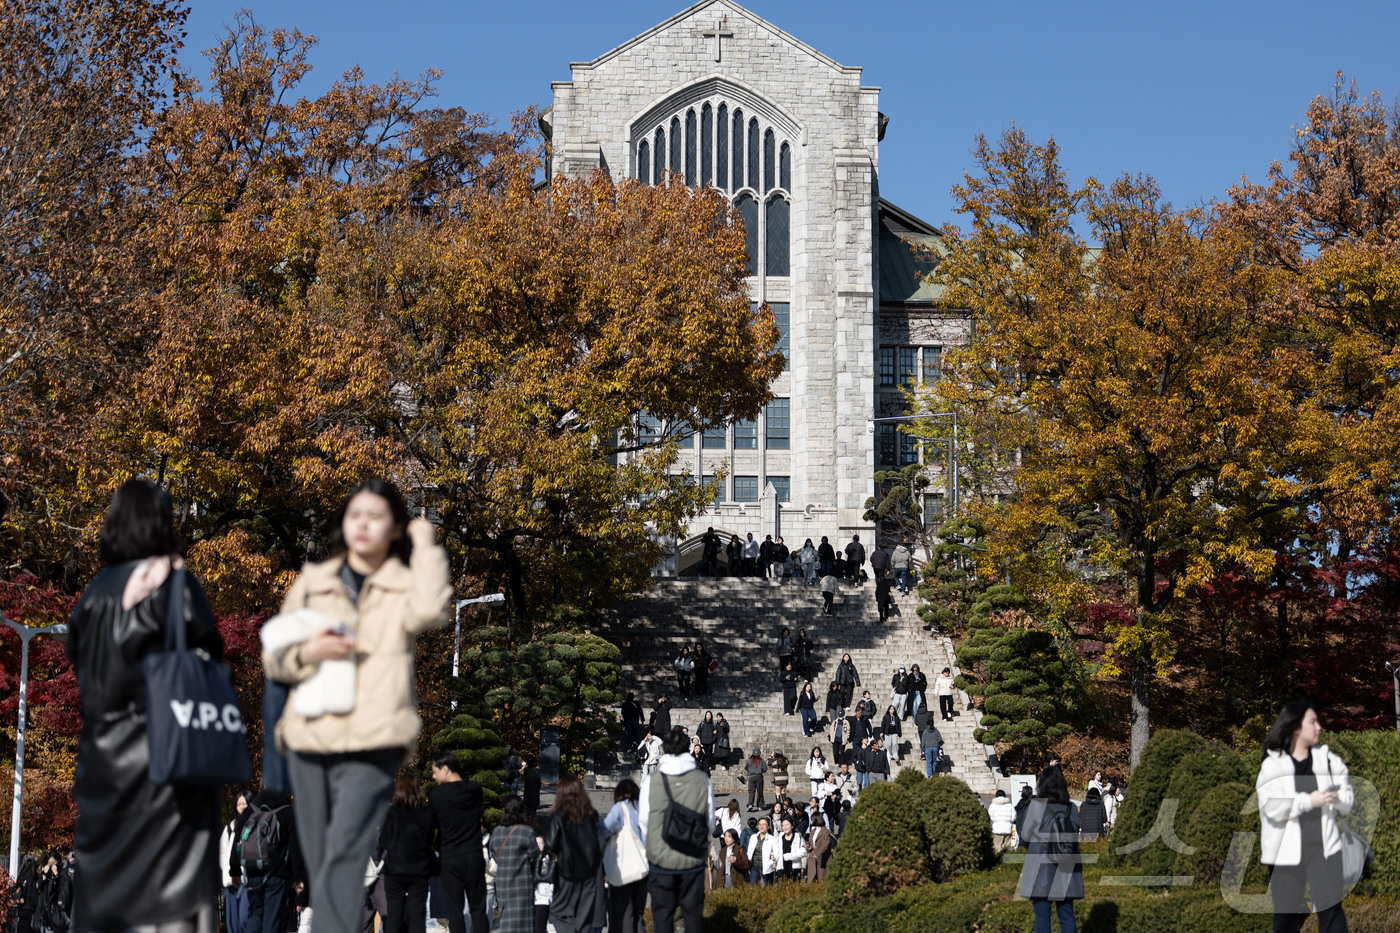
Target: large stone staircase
<point x="738" y="619"/>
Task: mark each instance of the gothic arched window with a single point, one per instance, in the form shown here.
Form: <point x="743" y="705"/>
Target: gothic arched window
<point x="747" y="206"/>
<point x="753" y="155"/>
<point x="707" y="132"/>
<point x="777" y="236"/>
<point x="660" y="161"/>
<point x="768" y="180"/>
<point x="785" y="168"/>
<point x="644" y="163"/>
<point x="675" y="146"/>
<point x="722" y="149"/>
<point x="737" y="166"/>
<point x="691" y="176"/>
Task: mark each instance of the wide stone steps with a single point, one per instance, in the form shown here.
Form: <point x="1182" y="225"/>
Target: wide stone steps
<point x="739" y="620"/>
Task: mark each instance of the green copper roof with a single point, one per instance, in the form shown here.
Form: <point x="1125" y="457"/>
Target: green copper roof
<point x="900" y="268"/>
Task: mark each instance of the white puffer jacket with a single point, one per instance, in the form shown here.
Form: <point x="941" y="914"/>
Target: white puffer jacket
<point x="1003" y="814"/>
<point x="1280" y="805"/>
<point x="817" y="769"/>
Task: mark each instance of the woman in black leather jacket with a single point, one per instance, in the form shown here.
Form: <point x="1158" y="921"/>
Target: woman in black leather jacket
<point x="574" y="836"/>
<point x="146" y="854"/>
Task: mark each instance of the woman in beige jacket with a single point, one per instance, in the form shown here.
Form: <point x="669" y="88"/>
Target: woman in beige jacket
<point x="344" y="642"/>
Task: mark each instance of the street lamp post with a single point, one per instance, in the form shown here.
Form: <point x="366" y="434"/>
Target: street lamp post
<point x="490" y="599"/>
<point x="25" y="633"/>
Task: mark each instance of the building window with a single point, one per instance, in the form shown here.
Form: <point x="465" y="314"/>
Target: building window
<point x="659" y="157"/>
<point x="648" y="428"/>
<point x="776" y="247"/>
<point x="715" y="484"/>
<point x="777" y="430"/>
<point x="886" y="448"/>
<point x="707" y="133"/>
<point x="782" y="485"/>
<point x="686" y="435"/>
<point x="887" y="366"/>
<point x="769" y="157"/>
<point x="676" y="146"/>
<point x="722" y="148"/>
<point x="781" y="317"/>
<point x="746" y="435"/>
<point x="644" y="163"/>
<point x="746" y="489"/>
<point x="908" y="365"/>
<point x="737" y="165"/>
<point x="748" y="213"/>
<point x="785" y="168"/>
<point x="933" y="509"/>
<point x="932" y="367"/>
<point x="908" y="449"/>
<point x="714" y="439"/>
<point x="754" y="181"/>
<point x="691" y="174"/>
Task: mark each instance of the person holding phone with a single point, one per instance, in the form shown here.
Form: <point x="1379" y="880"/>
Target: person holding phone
<point x="385" y="584"/>
<point x="1303" y="787"/>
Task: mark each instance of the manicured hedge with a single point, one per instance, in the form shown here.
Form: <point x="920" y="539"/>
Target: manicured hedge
<point x="1375" y="756"/>
<point x="881" y="849"/>
<point x="1210" y="830"/>
<point x="1149" y="786"/>
<point x="1194" y="776"/>
<point x="749" y="908"/>
<point x="957" y="830"/>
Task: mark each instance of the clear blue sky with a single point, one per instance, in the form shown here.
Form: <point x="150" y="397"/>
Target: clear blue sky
<point x="1194" y="93"/>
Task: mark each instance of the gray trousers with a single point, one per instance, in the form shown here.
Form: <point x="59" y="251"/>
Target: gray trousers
<point x="340" y="803"/>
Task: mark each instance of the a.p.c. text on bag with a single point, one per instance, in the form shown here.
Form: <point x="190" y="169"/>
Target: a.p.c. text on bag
<point x="193" y="724"/>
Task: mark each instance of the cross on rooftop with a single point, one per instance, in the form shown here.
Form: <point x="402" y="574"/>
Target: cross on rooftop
<point x="718" y="34"/>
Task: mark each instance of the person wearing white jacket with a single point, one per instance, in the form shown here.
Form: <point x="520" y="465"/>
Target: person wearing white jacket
<point x="817" y="769"/>
<point x="1302" y="787"/>
<point x="793" y="849"/>
<point x="1003" y="815"/>
<point x="765" y="854"/>
<point x="943" y="687"/>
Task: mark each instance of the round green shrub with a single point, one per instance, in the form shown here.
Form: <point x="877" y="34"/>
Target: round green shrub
<point x="957" y="830"/>
<point x="1194" y="776"/>
<point x="1211" y="829"/>
<point x="799" y="915"/>
<point x="749" y="908"/>
<point x="1374" y="757"/>
<point x="882" y="847"/>
<point x="1148" y="786"/>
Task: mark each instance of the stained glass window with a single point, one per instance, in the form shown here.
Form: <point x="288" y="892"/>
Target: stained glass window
<point x="753" y="155"/>
<point x="676" y="142"/>
<point x="737" y="166"/>
<point x="768" y="149"/>
<point x="707" y="134"/>
<point x="747" y="205"/>
<point x="785" y="168"/>
<point x="644" y="163"/>
<point x="659" y="157"/>
<point x="690" y="172"/>
<point x="722" y="149"/>
<point x="776" y="247"/>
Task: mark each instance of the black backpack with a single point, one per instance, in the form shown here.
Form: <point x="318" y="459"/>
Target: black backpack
<point x="684" y="830"/>
<point x="260" y="844"/>
<point x="1062" y="845"/>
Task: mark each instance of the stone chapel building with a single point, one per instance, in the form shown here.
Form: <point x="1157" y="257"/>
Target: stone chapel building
<point x="725" y="99"/>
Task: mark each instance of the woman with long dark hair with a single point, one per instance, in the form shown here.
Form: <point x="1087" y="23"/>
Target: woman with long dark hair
<point x="575" y="837"/>
<point x="406" y="846"/>
<point x="235" y="894"/>
<point x="1048" y="879"/>
<point x="707" y="733"/>
<point x="347" y="730"/>
<point x="627" y="902"/>
<point x="889" y="728"/>
<point x="147" y="853"/>
<point x="515" y="852"/>
<point x="1303" y="787"/>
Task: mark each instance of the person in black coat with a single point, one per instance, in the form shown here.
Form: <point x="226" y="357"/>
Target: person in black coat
<point x="147" y="853"/>
<point x="25" y="893"/>
<point x="271" y="887"/>
<point x="457" y="806"/>
<point x="848" y="678"/>
<point x="1092" y="815"/>
<point x="532" y="786"/>
<point x="826" y="555"/>
<point x="661" y="716"/>
<point x="802" y="654"/>
<point x="788" y="680"/>
<point x="1021" y="806"/>
<point x="406" y="848"/>
<point x="55" y="895"/>
<point x="707" y="732"/>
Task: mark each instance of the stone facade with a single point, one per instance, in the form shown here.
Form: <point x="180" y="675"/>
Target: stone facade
<point x="666" y="103"/>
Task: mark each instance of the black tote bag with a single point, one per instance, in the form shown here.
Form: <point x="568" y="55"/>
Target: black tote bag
<point x="193" y="723"/>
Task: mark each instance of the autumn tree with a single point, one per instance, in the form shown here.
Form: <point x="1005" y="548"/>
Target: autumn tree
<point x="1135" y="379"/>
<point x="82" y="85"/>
